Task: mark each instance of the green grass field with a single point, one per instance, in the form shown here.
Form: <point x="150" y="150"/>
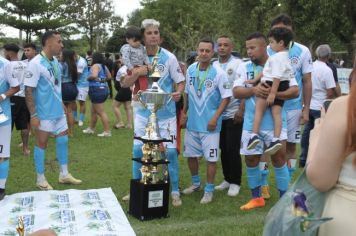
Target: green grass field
<point x="106" y="162"/>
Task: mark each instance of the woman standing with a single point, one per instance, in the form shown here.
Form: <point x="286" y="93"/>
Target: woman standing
<point x="98" y="93"/>
<point x="69" y="87"/>
<point x="331" y="164"/>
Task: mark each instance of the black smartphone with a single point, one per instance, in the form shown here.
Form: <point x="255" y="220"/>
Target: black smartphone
<point x="327" y="104"/>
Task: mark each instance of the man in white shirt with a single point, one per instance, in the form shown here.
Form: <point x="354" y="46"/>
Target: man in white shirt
<point x="323" y="86"/>
<point x="232" y="119"/>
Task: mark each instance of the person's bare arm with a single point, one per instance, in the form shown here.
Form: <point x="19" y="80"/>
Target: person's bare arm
<point x="30" y="102"/>
<point x="129" y="80"/>
<point x="327" y="145"/>
<point x="94" y="72"/>
<point x="11" y="91"/>
<point x="307" y="94"/>
<point x="330" y="93"/>
<point x="213" y="121"/>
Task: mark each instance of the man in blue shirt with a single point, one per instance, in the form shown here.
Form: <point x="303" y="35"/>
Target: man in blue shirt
<point x="208" y="92"/>
<point x="44" y="101"/>
<point x="8" y="87"/>
<point x="256" y="50"/>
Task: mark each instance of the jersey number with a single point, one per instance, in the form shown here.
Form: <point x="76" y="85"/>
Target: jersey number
<point x="213" y="152"/>
<point x="297" y="134"/>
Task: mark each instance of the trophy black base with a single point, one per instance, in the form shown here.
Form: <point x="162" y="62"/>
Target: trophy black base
<point x="148" y="201"/>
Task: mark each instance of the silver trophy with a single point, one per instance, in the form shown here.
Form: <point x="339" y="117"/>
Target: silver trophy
<point x="3" y="116"/>
<point x="153" y="99"/>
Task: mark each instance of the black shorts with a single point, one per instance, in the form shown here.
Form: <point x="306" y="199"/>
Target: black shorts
<point x="123" y="95"/>
<point x="19" y="112"/>
<point x="283" y="86"/>
<point x="69" y="92"/>
<point x="98" y="94"/>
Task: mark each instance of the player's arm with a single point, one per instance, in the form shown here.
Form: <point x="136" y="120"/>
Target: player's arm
<point x="213" y="121"/>
<point x="307" y="94"/>
<point x="30" y="102"/>
<point x="129" y="80"/>
<point x="179" y="91"/>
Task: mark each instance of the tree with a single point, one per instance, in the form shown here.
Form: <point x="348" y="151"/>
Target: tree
<point x="94" y="18"/>
<point x="32" y="16"/>
<point x="116" y="41"/>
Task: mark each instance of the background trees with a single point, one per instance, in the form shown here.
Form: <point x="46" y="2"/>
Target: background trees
<point x="184" y="22"/>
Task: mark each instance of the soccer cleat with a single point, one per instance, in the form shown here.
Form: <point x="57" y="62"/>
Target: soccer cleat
<point x="252" y="143"/>
<point x="191" y="189"/>
<point x="119" y="126"/>
<point x="253" y="203"/>
<point x="234" y="190"/>
<point x="44" y="185"/>
<point x="176" y="200"/>
<point x="69" y="179"/>
<point x="88" y="131"/>
<point x="126" y="198"/>
<point x="224" y="185"/>
<point x="265" y="192"/>
<point x="208" y="197"/>
<point x="105" y="134"/>
<point x="80" y="123"/>
<point x="273" y="147"/>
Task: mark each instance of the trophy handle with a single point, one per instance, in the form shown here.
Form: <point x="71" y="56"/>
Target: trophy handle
<point x="139" y="98"/>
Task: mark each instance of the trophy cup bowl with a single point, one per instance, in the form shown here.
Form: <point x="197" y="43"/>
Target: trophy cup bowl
<point x="3" y="117"/>
<point x="153" y="99"/>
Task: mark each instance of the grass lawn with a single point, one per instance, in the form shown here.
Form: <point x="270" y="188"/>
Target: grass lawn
<point x="106" y="162"/>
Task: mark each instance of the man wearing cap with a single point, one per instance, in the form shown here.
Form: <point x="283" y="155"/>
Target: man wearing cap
<point x="323" y="86"/>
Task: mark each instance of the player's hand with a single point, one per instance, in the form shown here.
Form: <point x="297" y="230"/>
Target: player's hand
<point x="35" y="122"/>
<point x="140" y="71"/>
<point x="239" y="116"/>
<point x="212" y="124"/>
<point x="305" y="116"/>
<point x="270" y="99"/>
<point x="176" y="96"/>
<point x="183" y="120"/>
<point x="262" y="90"/>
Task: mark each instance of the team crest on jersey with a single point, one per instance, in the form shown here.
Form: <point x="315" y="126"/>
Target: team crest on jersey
<point x="161" y="68"/>
<point x="294" y="60"/>
<point x="208" y="84"/>
<point x="230" y="71"/>
<point x="227" y="85"/>
<point x="28" y="74"/>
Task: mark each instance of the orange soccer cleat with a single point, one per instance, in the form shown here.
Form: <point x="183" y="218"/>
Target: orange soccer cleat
<point x="253" y="203"/>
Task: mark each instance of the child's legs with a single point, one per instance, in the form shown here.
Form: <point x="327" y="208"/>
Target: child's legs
<point x="277" y="120"/>
<point x="259" y="111"/>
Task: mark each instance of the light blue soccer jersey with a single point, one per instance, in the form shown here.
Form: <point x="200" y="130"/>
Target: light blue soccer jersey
<point x="45" y="77"/>
<point x="6" y="81"/>
<point x="65" y="73"/>
<point x="302" y="63"/>
<point x="170" y="74"/>
<point x="203" y="105"/>
<point x="82" y="67"/>
<point x="248" y="71"/>
<point x="101" y="76"/>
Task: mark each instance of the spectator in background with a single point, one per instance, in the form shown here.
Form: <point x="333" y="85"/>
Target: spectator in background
<point x="333" y="67"/>
<point x="323" y="86"/>
<point x="98" y="93"/>
<point x="109" y="64"/>
<point x="69" y="85"/>
<point x="332" y="165"/>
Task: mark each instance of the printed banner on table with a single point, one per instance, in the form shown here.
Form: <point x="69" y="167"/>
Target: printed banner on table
<point x="343" y="75"/>
<point x="67" y="212"/>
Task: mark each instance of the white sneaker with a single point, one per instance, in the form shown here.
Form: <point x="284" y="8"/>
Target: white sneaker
<point x="88" y="131"/>
<point x="191" y="189"/>
<point x="126" y="198"/>
<point x="176" y="201"/>
<point x="208" y="197"/>
<point x="80" y="123"/>
<point x="105" y="134"/>
<point x="224" y="185"/>
<point x="234" y="189"/>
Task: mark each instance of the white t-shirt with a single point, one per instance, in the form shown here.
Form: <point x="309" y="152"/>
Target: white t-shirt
<point x="278" y="66"/>
<point x="322" y="79"/>
<point x="16" y="70"/>
<point x="230" y="67"/>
